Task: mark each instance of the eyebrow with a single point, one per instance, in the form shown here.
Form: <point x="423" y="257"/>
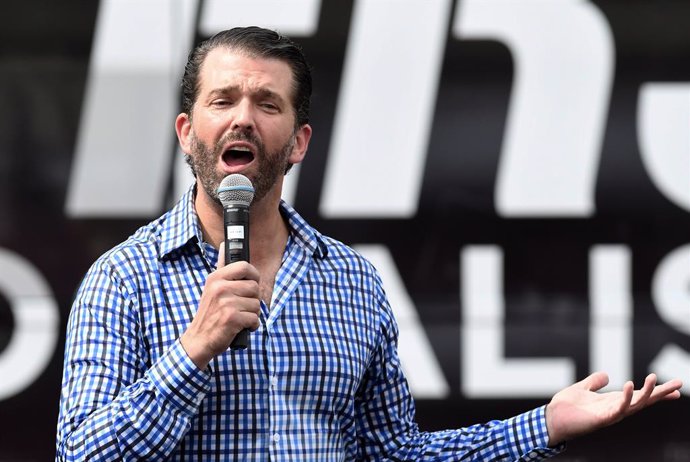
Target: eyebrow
<point x="261" y="93"/>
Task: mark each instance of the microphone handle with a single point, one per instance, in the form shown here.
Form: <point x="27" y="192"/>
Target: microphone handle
<point x="236" y="220"/>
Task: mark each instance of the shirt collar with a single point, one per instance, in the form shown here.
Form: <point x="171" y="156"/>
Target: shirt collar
<point x="303" y="234"/>
<point x="181" y="225"/>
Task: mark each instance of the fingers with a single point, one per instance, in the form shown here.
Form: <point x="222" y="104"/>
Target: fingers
<point x="626" y="398"/>
<point x="670" y="396"/>
<point x="236" y="271"/>
<point x="667" y="390"/>
<point x="233" y="296"/>
<point x="249" y="320"/>
<point x="651" y="393"/>
<point x="595" y="381"/>
<point x="642" y="396"/>
<point x="235" y="285"/>
<point x="230" y="303"/>
<point x="244" y="288"/>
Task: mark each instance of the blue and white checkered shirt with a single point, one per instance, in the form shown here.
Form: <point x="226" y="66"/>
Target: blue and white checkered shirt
<point x="320" y="381"/>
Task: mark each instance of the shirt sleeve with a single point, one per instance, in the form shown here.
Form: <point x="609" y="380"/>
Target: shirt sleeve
<point x="114" y="406"/>
<point x="387" y="431"/>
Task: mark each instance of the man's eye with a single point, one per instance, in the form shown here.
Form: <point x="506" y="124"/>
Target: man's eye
<point x="220" y="102"/>
<point x="269" y="106"/>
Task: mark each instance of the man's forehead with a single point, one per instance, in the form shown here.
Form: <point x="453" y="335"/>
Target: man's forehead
<point x="222" y="63"/>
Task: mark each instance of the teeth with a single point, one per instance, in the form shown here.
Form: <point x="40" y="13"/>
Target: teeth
<point x="240" y="148"/>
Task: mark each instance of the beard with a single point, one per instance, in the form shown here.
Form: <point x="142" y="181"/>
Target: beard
<point x="268" y="167"/>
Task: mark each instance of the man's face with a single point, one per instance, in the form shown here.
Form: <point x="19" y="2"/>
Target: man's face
<point x="270" y="167"/>
<point x="243" y="122"/>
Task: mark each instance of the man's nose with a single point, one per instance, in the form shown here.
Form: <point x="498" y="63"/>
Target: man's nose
<point x="243" y="116"/>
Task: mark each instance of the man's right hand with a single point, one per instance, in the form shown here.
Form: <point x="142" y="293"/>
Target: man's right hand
<point x="229" y="303"/>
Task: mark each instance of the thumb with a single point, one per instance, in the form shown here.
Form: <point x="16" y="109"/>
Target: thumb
<point x="221" y="256"/>
<point x="595" y="381"/>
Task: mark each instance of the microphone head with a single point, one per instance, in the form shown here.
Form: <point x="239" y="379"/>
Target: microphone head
<point x="236" y="190"/>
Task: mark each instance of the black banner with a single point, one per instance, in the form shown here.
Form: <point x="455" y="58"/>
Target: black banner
<point x="518" y="171"/>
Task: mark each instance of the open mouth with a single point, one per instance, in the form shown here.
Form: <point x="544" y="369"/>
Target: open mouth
<point x="237" y="157"/>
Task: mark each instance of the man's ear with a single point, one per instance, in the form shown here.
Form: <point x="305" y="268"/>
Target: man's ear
<point x="299" y="150"/>
<point x="183" y="128"/>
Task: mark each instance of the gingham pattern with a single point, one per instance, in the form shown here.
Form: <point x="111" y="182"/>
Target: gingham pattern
<point x="321" y="380"/>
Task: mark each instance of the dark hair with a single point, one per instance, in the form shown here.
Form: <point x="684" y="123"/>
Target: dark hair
<point x="256" y="42"/>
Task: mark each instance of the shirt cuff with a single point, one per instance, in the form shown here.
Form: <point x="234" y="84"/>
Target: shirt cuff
<point x="528" y="437"/>
<point x="179" y="380"/>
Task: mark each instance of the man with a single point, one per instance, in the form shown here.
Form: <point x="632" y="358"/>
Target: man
<point x="148" y="373"/>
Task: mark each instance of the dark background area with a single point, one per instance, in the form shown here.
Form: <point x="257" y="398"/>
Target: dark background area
<point x="44" y="60"/>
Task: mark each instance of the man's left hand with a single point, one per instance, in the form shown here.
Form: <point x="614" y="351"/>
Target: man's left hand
<point x="579" y="409"/>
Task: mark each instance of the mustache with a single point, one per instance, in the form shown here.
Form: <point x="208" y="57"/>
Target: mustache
<point x="239" y="136"/>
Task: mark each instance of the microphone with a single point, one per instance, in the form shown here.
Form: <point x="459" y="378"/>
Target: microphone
<point x="236" y="194"/>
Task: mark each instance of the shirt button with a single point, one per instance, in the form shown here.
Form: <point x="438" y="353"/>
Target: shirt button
<point x="274" y="382"/>
<point x="276" y="438"/>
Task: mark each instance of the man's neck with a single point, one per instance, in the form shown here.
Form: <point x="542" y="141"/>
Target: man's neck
<point x="268" y="231"/>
